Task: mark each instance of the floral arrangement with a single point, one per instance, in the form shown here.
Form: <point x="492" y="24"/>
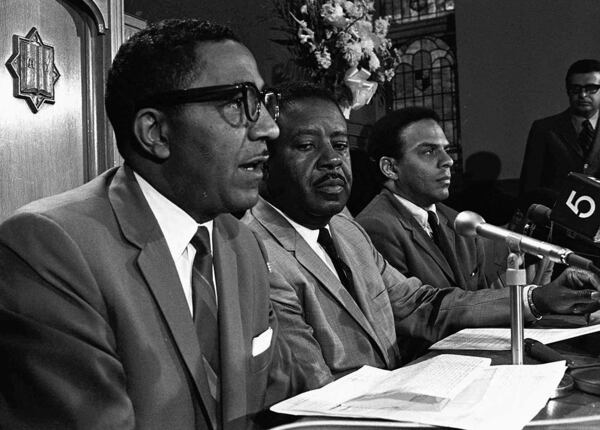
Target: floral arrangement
<point x="338" y="42"/>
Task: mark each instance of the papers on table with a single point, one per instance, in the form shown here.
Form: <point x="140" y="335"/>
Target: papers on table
<point x="498" y="339"/>
<point x="447" y="390"/>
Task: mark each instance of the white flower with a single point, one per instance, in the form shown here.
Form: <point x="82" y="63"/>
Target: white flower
<point x="382" y="26"/>
<point x="374" y="62"/>
<point x="367" y="46"/>
<point x="333" y="14"/>
<point x="351" y="9"/>
<point x="352" y="53"/>
<point x="362" y="29"/>
<point x="337" y="35"/>
<point x="323" y="58"/>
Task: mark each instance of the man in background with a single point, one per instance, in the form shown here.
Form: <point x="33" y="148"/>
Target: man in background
<point x="136" y="300"/>
<point x="406" y="221"/>
<point x="340" y="304"/>
<point x="563" y="143"/>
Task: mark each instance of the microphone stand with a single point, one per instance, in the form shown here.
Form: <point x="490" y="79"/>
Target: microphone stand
<point x="516" y="280"/>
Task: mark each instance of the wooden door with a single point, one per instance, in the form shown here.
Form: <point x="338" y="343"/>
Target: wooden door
<point x="59" y="48"/>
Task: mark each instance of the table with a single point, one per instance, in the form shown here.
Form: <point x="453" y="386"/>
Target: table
<point x="574" y="411"/>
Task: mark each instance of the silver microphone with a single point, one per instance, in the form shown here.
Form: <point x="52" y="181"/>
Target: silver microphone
<point x="469" y="223"/>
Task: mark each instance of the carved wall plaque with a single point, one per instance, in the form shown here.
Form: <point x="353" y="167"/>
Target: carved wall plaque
<point x="32" y="66"/>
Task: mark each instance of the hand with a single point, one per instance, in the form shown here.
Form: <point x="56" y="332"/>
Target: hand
<point x="575" y="291"/>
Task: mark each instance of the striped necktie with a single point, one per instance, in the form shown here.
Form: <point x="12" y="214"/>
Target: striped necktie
<point x="586" y="136"/>
<point x="205" y="308"/>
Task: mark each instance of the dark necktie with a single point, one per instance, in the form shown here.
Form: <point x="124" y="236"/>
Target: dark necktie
<point x="342" y="269"/>
<point x="443" y="244"/>
<point x="205" y="303"/>
<point x="586" y="136"/>
<point x="434" y="226"/>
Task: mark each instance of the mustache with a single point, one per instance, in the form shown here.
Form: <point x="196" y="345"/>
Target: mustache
<point x="329" y="176"/>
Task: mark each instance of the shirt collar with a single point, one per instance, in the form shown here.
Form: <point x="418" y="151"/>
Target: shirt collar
<point x="309" y="235"/>
<point x="177" y="226"/>
<point x="578" y="121"/>
<point x="416" y="211"/>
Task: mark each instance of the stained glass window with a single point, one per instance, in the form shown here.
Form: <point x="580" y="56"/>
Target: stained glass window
<point x="403" y="11"/>
<point x="426" y="77"/>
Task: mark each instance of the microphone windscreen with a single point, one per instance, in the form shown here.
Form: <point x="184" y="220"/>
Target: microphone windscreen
<point x="539" y="214"/>
<point x="466" y="223"/>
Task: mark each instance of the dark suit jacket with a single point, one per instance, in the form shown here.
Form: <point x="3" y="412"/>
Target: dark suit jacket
<point x="551" y="153"/>
<point x="96" y="331"/>
<point x="331" y="334"/>
<point x="406" y="245"/>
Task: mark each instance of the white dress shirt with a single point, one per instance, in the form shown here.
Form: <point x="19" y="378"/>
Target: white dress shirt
<point x="311" y="237"/>
<point x="420" y="214"/>
<point x="578" y="122"/>
<point x="178" y="228"/>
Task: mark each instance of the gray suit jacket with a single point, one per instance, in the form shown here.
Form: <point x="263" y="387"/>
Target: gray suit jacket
<point x="332" y="335"/>
<point x="408" y="247"/>
<point x="96" y="331"/>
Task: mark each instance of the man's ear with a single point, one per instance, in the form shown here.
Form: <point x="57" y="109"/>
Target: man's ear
<point x="388" y="167"/>
<point x="150" y="129"/>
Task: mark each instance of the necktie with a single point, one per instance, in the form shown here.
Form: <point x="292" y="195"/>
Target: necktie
<point x="443" y="244"/>
<point x="205" y="303"/>
<point x="435" y="228"/>
<point x="586" y="136"/>
<point x="342" y="269"/>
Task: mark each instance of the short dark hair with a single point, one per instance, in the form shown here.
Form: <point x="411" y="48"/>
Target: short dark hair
<point x="384" y="140"/>
<point x="583" y="66"/>
<point x="158" y="58"/>
<point x="297" y="90"/>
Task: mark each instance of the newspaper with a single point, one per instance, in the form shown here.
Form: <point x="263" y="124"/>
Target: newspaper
<point x="498" y="339"/>
<point x="448" y="390"/>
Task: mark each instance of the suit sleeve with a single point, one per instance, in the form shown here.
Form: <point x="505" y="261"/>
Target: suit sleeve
<point x="59" y="367"/>
<point x="430" y="313"/>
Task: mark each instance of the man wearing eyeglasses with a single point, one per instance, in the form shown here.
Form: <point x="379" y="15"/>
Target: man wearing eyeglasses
<point x="136" y="300"/>
<point x="562" y="143"/>
<point x="565" y="143"/>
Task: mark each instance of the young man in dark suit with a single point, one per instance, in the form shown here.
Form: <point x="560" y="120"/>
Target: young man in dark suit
<point x="406" y="221"/>
<point x="136" y="300"/>
<point x="340" y="304"/>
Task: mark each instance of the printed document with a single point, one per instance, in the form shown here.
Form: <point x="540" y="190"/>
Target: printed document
<point x="448" y="390"/>
<point x="498" y="339"/>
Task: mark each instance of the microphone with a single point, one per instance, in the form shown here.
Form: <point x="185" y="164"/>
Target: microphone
<point x="469" y="223"/>
<point x="542" y="215"/>
<point x="539" y="214"/>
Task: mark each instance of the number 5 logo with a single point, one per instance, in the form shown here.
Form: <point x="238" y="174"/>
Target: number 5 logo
<point x="574" y="205"/>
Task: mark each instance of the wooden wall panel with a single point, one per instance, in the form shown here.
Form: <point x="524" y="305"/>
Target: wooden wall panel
<point x="63" y="144"/>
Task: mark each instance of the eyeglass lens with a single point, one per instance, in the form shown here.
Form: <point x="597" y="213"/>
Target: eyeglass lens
<point x="255" y="98"/>
<point x="588" y="89"/>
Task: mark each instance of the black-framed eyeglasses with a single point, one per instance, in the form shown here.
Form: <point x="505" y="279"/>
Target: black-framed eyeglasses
<point x="588" y="89"/>
<point x="245" y="93"/>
